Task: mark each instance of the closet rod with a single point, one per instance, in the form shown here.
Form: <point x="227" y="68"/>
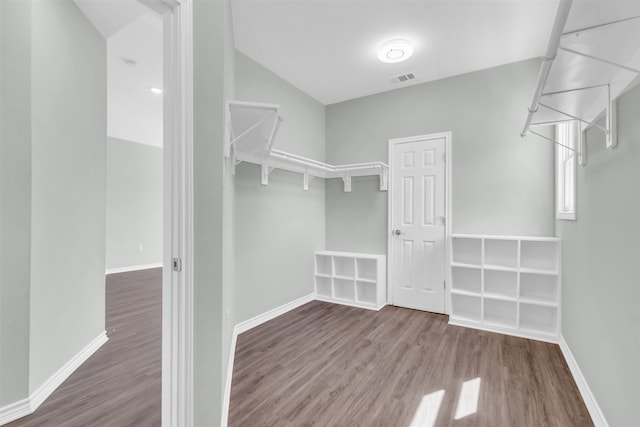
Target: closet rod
<point x="564" y="6"/>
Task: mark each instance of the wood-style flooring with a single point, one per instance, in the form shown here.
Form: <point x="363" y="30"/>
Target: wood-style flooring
<point x="119" y="385"/>
<point x="330" y="365"/>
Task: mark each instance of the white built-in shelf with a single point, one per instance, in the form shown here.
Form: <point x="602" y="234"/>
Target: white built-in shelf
<point x="351" y="278"/>
<point x="506" y="284"/>
<point x="590" y="60"/>
<point x="250" y="135"/>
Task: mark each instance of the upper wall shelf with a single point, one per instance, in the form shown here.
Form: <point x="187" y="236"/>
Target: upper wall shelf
<point x="251" y="131"/>
<point x="589" y="62"/>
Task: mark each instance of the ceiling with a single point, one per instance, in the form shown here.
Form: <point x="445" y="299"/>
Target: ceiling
<point x="134" y="113"/>
<point x="328" y="48"/>
<point x="134" y="64"/>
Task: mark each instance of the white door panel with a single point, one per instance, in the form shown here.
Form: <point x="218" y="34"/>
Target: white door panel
<point x="418" y="225"/>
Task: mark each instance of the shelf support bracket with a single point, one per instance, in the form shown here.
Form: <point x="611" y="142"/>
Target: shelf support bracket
<point x="347" y="183"/>
<point x="255" y="125"/>
<point x="265" y="170"/>
<point x="233" y="162"/>
<point x="272" y="137"/>
<point x="384" y="179"/>
<point x="575" y="118"/>
<point x="612" y="121"/>
<point x="306" y="178"/>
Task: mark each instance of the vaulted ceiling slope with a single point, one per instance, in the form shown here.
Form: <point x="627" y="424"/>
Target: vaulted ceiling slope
<point x="328" y="49"/>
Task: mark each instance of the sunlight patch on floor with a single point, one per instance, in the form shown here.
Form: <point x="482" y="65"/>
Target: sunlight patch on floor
<point x="468" y="401"/>
<point x="427" y="412"/>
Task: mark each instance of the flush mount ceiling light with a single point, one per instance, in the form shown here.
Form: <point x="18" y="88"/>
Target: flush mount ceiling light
<point x="397" y="50"/>
<point x="155" y="90"/>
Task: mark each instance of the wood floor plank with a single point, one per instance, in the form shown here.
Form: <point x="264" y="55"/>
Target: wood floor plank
<point x="330" y="365"/>
<point x="119" y="385"/>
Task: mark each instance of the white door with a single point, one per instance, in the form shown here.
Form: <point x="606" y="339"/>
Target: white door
<point x="417" y="275"/>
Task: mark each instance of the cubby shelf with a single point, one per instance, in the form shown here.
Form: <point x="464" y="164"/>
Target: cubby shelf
<point x="351" y="278"/>
<point x="507" y="284"/>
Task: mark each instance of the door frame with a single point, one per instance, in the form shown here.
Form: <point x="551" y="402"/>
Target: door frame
<point x="177" y="283"/>
<point x="448" y="226"/>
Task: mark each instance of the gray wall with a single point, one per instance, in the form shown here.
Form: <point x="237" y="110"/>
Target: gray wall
<point x="134" y="203"/>
<point x="15" y="198"/>
<point x="68" y="190"/>
<point x="213" y="294"/>
<point x="279" y="226"/>
<point x="501" y="183"/>
<point x="601" y="268"/>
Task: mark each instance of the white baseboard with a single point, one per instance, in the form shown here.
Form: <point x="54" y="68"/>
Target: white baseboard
<point x="589" y="399"/>
<point x="227" y="386"/>
<point x="271" y="314"/>
<point x="29" y="405"/>
<point x="132" y="268"/>
<point x="244" y="327"/>
<point x="15" y="410"/>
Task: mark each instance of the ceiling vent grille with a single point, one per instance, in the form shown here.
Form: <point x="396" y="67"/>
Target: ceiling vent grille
<point x="402" y="78"/>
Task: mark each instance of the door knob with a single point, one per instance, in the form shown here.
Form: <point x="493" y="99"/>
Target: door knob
<point x="397" y="232"/>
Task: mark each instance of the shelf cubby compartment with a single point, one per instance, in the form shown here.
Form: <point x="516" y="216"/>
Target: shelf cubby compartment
<point x="500" y="313"/>
<point x="467" y="279"/>
<point x="539" y="255"/>
<point x="467" y="250"/>
<point x="539" y="287"/>
<point x="501" y="283"/>
<point x="539" y="318"/>
<point x="366" y="292"/>
<point x="366" y="269"/>
<point x="323" y="286"/>
<point x="501" y="253"/>
<point x="343" y="289"/>
<point x="344" y="267"/>
<point x="323" y="265"/>
<point x="466" y="307"/>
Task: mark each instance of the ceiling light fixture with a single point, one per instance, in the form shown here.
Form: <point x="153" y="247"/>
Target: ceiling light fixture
<point x="155" y="90"/>
<point x="393" y="51"/>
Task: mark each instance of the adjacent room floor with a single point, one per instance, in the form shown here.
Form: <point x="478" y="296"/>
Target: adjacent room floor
<point x="331" y="365"/>
<point x="119" y="385"/>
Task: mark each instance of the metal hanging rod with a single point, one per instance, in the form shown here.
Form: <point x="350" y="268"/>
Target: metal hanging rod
<point x="595" y="58"/>
<point x="575" y="117"/>
<point x="560" y="92"/>
<point x="593" y="27"/>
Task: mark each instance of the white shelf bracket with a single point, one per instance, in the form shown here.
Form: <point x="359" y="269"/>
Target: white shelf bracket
<point x="582" y="146"/>
<point x="232" y="160"/>
<point x="384" y="179"/>
<point x="255" y="125"/>
<point x="274" y="131"/>
<point x="265" y="170"/>
<point x="347" y="183"/>
<point x="306" y="178"/>
<point x="612" y="122"/>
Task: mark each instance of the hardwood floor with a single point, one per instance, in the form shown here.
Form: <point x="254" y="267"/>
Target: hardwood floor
<point x="330" y="365"/>
<point x="119" y="385"/>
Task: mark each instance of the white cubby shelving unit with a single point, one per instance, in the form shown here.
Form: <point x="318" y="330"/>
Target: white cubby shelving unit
<point x="351" y="278"/>
<point x="506" y="284"/>
<point x="251" y="129"/>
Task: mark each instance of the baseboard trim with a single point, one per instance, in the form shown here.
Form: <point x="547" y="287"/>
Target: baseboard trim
<point x="587" y="396"/>
<point x="27" y="406"/>
<point x="132" y="268"/>
<point x="227" y="386"/>
<point x="244" y="327"/>
<point x="271" y="314"/>
<point x="15" y="410"/>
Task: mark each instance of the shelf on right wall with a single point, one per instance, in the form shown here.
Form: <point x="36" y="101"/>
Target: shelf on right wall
<point x="506" y="284"/>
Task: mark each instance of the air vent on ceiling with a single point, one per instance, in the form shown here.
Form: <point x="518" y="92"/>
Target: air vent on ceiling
<point x="402" y="78"/>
